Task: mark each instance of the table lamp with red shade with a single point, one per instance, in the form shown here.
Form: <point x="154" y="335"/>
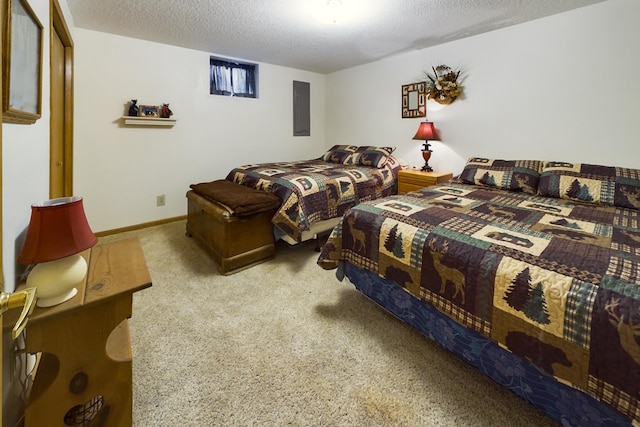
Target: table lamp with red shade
<point x="426" y="132"/>
<point x="58" y="232"/>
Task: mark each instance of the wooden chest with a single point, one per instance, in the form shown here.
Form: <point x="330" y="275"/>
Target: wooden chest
<point x="236" y="243"/>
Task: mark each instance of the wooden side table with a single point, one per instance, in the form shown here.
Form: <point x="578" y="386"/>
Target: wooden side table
<point x="414" y="179"/>
<point x="85" y="371"/>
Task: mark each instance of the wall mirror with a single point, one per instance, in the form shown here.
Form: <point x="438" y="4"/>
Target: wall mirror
<point x="414" y="101"/>
<point x="22" y="63"/>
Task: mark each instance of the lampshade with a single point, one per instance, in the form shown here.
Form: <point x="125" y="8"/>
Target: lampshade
<point x="58" y="232"/>
<point x="58" y="228"/>
<point x="426" y="131"/>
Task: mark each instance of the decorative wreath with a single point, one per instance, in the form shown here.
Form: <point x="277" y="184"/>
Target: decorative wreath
<point x="443" y="85"/>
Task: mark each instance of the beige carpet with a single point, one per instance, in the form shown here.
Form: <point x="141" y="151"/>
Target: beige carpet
<point x="285" y="343"/>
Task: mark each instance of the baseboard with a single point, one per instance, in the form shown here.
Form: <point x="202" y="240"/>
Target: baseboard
<point x="140" y="226"/>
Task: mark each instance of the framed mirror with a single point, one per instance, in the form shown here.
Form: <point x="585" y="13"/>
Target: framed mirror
<point x="22" y="63"/>
<point x="414" y="100"/>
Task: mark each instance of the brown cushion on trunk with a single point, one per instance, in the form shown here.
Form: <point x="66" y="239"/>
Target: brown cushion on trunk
<point x="244" y="201"/>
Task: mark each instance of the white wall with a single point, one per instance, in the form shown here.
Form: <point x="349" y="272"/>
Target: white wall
<point x="565" y="87"/>
<point x="25" y="180"/>
<point x="120" y="170"/>
<point x="25" y="165"/>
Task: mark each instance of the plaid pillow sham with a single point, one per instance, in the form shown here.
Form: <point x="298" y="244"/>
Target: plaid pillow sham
<point x="511" y="175"/>
<point x="607" y="185"/>
<point x="358" y="155"/>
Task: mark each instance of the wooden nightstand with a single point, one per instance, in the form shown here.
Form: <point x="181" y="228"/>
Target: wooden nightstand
<point x="85" y="372"/>
<point x="413" y="179"/>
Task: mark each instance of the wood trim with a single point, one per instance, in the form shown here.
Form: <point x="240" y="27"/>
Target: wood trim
<point x="140" y="226"/>
<point x="57" y="18"/>
<point x="2" y="13"/>
<point x="58" y="25"/>
<point x="12" y="115"/>
<point x="2" y="8"/>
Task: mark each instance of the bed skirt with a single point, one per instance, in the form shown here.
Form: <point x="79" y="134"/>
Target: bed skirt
<point x="568" y="406"/>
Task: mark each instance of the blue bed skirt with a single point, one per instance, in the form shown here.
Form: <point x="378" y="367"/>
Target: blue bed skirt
<point x="567" y="405"/>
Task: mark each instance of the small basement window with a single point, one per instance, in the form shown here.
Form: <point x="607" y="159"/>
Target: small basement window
<point x="231" y="78"/>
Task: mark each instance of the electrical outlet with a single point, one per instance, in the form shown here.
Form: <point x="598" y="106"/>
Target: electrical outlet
<point x="160" y="200"/>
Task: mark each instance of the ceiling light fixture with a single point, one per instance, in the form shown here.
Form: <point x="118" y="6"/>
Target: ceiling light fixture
<point x="334" y="11"/>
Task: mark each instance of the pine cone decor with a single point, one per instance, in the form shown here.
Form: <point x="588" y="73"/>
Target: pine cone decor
<point x="443" y="85"/>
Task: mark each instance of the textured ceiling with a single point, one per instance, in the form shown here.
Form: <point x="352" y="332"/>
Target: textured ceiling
<point x="297" y="33"/>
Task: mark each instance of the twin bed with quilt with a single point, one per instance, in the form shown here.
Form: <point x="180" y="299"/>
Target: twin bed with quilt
<point x="527" y="270"/>
<point x="313" y="191"/>
<point x="294" y="201"/>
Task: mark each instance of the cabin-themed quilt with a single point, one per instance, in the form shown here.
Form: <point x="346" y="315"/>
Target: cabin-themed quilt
<point x="553" y="280"/>
<point x="315" y="190"/>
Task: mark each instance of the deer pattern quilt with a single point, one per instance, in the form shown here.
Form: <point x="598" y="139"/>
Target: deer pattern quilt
<point x="554" y="281"/>
<point x="314" y="190"/>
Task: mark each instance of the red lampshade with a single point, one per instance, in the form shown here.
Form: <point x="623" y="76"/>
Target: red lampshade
<point x="426" y="131"/>
<point x="58" y="228"/>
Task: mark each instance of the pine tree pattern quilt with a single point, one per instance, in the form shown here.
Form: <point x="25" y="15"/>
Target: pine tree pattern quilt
<point x="556" y="281"/>
<point x="315" y="190"/>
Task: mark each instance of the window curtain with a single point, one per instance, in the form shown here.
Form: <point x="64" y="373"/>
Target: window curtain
<point x="232" y="79"/>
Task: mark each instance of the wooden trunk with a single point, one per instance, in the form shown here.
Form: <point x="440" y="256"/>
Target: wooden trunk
<point x="236" y="243"/>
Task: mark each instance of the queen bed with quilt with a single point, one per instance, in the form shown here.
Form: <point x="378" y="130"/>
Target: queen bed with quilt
<point x="527" y="270"/>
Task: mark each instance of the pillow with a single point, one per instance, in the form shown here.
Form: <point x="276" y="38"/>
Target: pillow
<point x="370" y="156"/>
<point x="605" y="185"/>
<point x="338" y="153"/>
<point x="627" y="193"/>
<point x="512" y="175"/>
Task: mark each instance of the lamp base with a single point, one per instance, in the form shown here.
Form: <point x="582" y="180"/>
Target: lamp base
<point x="55" y="281"/>
<point x="50" y="302"/>
<point x="426" y="155"/>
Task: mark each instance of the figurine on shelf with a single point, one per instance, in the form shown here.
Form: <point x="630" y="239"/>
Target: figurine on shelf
<point x="133" y="108"/>
<point x="165" y="112"/>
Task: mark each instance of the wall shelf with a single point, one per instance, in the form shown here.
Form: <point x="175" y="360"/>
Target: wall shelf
<point x="147" y="121"/>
